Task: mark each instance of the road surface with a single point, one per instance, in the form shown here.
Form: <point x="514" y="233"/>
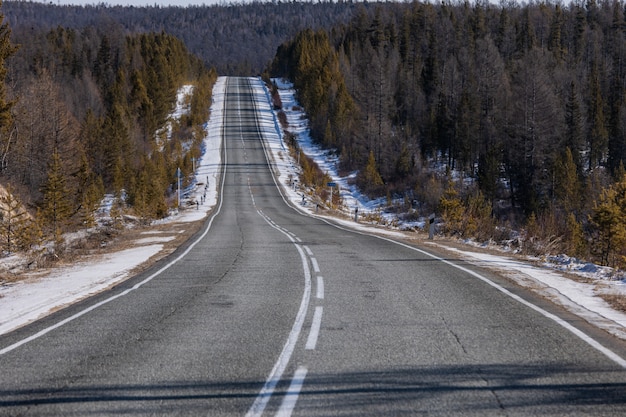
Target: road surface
<point x="270" y="312"/>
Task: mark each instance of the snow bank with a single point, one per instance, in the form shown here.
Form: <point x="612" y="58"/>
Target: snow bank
<point x="28" y="300"/>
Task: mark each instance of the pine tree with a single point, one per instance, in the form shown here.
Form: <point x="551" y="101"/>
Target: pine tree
<point x="6" y="120"/>
<point x="14" y="221"/>
<point x="609" y="219"/>
<point x="369" y="178"/>
<point x="403" y="165"/>
<point x="598" y="134"/>
<point x="146" y="195"/>
<point x="89" y="193"/>
<point x="452" y="210"/>
<point x="556" y="26"/>
<point x="477" y="219"/>
<point x="567" y="187"/>
<point x="574" y="126"/>
<point x="575" y="242"/>
<point x="617" y="94"/>
<point x="489" y="173"/>
<point x="526" y="37"/>
<point x="56" y="208"/>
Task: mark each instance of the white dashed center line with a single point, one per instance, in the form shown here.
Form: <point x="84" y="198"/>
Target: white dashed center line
<point x="315" y="328"/>
<point x="320" y="288"/>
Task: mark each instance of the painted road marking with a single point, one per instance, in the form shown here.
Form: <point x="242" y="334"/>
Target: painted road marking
<point x="291" y="397"/>
<point x="311" y="342"/>
<point x="256" y="410"/>
<point x="316" y="267"/>
<point x="563" y="323"/>
<point x="320" y="288"/>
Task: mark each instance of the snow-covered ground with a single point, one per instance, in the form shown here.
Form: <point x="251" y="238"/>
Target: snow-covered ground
<point x="24" y="301"/>
<point x="27" y="300"/>
<point x="326" y="160"/>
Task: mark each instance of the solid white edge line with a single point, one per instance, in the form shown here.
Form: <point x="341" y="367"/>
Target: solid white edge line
<point x="583" y="336"/>
<point x="320" y="288"/>
<point x="592" y="342"/>
<point x="311" y="342"/>
<point x="579" y="333"/>
<point x="145" y="281"/>
<point x="291" y="397"/>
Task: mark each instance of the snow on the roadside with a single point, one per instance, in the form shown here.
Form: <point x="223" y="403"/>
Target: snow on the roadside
<point x="154" y="239"/>
<point x="582" y="298"/>
<point x="209" y="166"/>
<point x="327" y="161"/>
<point x="26" y="301"/>
<point x="23" y="302"/>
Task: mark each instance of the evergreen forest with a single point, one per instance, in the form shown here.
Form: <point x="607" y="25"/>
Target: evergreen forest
<point x="83" y="113"/>
<point x="236" y="39"/>
<point x="498" y="118"/>
<point x="506" y="120"/>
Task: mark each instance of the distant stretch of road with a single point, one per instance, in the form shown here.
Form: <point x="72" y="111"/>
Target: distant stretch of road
<point x="267" y="311"/>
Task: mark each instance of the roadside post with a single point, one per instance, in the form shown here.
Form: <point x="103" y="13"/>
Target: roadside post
<point x="431" y="227"/>
<point x="178" y="174"/>
<point x="332" y="185"/>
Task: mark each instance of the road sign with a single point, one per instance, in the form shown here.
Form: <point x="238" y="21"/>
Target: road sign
<point x="331" y="184"/>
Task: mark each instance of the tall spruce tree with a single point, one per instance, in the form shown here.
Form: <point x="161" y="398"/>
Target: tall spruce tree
<point x="609" y="219"/>
<point x="14" y="221"/>
<point x="574" y="126"/>
<point x="56" y="208"/>
<point x="7" y="49"/>
<point x="598" y="134"/>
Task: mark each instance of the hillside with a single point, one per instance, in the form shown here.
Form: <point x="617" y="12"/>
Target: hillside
<point x="507" y="121"/>
<point x="504" y="120"/>
<point x="235" y="39"/>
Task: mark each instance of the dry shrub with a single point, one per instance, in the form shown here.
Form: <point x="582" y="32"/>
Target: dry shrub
<point x="45" y="259"/>
<point x="551" y="233"/>
<point x="428" y="190"/>
<point x="292" y="143"/>
<point x="542" y="235"/>
<point x="478" y="220"/>
<point x="371" y="217"/>
<point x="95" y="240"/>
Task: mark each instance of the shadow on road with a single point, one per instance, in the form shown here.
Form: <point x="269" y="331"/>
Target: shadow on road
<point x="458" y="390"/>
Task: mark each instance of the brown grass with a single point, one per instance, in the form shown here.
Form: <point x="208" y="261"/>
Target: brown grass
<point x="617" y="301"/>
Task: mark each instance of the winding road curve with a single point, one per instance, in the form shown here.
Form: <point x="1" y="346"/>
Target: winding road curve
<point x="267" y="311"/>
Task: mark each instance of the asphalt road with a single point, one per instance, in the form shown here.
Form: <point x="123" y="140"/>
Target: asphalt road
<point x="270" y="312"/>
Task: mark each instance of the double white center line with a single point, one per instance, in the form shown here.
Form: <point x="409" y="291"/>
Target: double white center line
<point x="291" y="396"/>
